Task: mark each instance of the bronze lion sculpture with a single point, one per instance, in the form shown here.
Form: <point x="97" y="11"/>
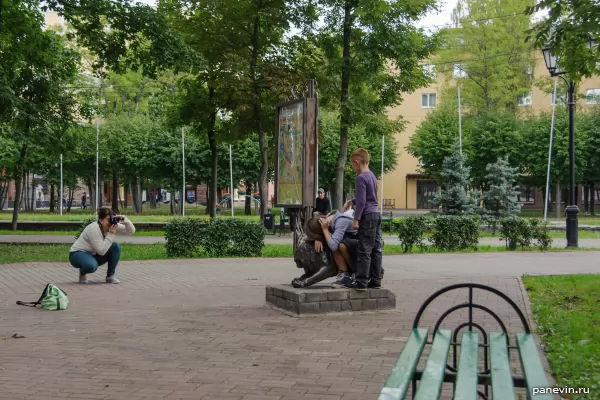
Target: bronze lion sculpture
<point x="317" y="266"/>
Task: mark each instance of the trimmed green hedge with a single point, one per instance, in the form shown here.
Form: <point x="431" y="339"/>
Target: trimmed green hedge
<point x="411" y="231"/>
<point x="520" y="232"/>
<point x="190" y="237"/>
<point x="454" y="232"/>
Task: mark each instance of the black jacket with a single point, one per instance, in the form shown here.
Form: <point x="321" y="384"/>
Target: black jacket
<point x="323" y="205"/>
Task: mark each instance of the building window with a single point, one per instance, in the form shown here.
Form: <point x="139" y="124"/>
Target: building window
<point x="526" y="194"/>
<point x="525" y="100"/>
<point x="459" y="72"/>
<point x="429" y="70"/>
<point x="592" y="96"/>
<point x="428" y="100"/>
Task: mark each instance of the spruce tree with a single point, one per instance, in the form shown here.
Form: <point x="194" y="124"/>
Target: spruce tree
<point x="454" y="197"/>
<point x="500" y="198"/>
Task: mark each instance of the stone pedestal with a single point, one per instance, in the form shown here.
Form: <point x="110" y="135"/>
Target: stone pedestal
<point x="319" y="299"/>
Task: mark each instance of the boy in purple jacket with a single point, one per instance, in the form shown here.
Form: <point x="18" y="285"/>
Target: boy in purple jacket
<point x="367" y="220"/>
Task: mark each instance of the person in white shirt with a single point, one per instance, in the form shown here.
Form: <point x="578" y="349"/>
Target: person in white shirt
<point x="97" y="246"/>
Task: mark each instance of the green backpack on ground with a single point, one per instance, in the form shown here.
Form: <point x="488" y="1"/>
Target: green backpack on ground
<point x="52" y="299"/>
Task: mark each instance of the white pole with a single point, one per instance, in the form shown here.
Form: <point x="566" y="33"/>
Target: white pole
<point x="459" y="121"/>
<point x="550" y="155"/>
<point x="61" y="186"/>
<point x="183" y="168"/>
<point x="382" y="150"/>
<point x="231" y="180"/>
<point x="97" y="152"/>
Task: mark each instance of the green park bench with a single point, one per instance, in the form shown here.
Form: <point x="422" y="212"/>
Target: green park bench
<point x="465" y="371"/>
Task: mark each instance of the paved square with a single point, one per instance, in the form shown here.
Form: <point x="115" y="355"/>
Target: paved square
<point x="198" y="329"/>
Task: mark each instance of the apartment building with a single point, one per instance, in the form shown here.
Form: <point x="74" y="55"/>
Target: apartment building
<point x="407" y="188"/>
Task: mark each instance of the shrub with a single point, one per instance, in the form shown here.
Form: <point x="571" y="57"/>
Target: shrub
<point x="520" y="232"/>
<point x="411" y="231"/>
<point x="516" y="232"/>
<point x="189" y="237"/>
<point x="455" y="232"/>
<point x="541" y="233"/>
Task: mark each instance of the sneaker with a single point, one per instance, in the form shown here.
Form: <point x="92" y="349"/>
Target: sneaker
<point x="112" y="279"/>
<point x="83" y="278"/>
<point x="350" y="283"/>
<point x="373" y="285"/>
<point x="338" y="279"/>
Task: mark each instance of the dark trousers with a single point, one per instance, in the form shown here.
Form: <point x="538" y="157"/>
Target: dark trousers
<point x="370" y="251"/>
<point x="88" y="263"/>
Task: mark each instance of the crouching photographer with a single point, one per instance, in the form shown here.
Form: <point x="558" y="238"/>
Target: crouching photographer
<point x="97" y="246"/>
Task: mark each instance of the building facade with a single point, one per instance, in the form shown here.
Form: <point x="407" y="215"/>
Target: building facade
<point x="406" y="188"/>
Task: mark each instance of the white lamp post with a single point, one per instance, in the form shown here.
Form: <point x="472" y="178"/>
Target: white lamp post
<point x="226" y="116"/>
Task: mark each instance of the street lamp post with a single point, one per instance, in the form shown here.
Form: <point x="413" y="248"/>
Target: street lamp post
<point x="572" y="210"/>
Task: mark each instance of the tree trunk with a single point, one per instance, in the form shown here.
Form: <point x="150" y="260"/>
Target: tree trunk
<point x="264" y="157"/>
<point x="558" y="205"/>
<point x="23" y="204"/>
<point x="153" y="199"/>
<point x="248" y="199"/>
<point x="338" y="187"/>
<point x="18" y="184"/>
<point x="32" y="192"/>
<point x="3" y="190"/>
<point x="212" y="141"/>
<point x="126" y="193"/>
<point x="135" y="198"/>
<point x="592" y="191"/>
<point x="51" y="199"/>
<point x="115" y="191"/>
<point x="586" y="191"/>
<point x="138" y="196"/>
<point x="172" y="204"/>
<point x="71" y="195"/>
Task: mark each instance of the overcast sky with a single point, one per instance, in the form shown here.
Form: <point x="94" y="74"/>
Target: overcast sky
<point x="439" y="18"/>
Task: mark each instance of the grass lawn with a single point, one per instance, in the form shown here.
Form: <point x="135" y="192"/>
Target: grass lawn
<point x="567" y="312"/>
<point x="162" y="214"/>
<point x="15" y="253"/>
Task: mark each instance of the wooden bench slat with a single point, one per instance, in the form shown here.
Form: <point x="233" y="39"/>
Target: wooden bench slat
<point x="433" y="375"/>
<point x="502" y="383"/>
<point x="397" y="383"/>
<point x="466" y="379"/>
<point x="533" y="370"/>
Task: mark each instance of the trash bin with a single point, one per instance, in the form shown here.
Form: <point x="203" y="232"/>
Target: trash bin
<point x="269" y="221"/>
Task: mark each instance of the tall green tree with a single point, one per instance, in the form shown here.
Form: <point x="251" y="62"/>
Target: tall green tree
<point x="366" y="45"/>
<point x="492" y="135"/>
<point x="367" y="135"/>
<point x="486" y="53"/>
<point x="433" y="139"/>
<point x="567" y="29"/>
<point x="500" y="195"/>
<point x="455" y="196"/>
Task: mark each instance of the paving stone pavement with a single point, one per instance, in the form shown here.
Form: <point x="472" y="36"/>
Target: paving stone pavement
<point x="198" y="329"/>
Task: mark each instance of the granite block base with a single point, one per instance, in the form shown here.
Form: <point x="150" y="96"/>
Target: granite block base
<point x="321" y="299"/>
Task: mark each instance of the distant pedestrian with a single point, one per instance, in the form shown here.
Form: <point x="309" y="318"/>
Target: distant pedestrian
<point x="323" y="205"/>
<point x="84" y="201"/>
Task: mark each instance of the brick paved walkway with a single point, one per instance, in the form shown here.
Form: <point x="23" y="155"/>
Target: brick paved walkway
<point x="197" y="329"/>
